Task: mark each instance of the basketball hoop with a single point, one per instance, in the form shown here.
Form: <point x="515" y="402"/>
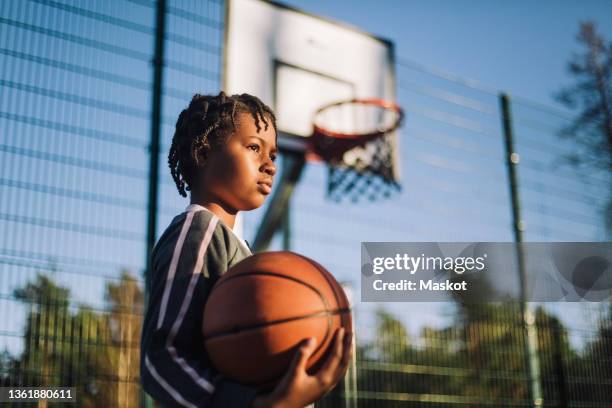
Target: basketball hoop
<point x="355" y="138"/>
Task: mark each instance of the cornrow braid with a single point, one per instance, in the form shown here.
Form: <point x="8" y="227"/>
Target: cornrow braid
<point x="204" y="126"/>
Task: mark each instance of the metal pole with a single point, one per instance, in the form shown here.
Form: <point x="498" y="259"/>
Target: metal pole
<point x="156" y="108"/>
<point x="528" y="315"/>
<point x="158" y="61"/>
<point x="275" y="215"/>
<point x="557" y="341"/>
<point x="287" y="228"/>
<point x="350" y="379"/>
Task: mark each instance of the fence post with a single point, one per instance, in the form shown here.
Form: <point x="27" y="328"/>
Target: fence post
<point x="156" y="108"/>
<point x="559" y="368"/>
<point x="527" y="312"/>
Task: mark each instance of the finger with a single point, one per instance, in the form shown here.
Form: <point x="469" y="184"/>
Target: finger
<point x="347" y="353"/>
<point x="335" y="356"/>
<point x="300" y="359"/>
<point x="348" y="349"/>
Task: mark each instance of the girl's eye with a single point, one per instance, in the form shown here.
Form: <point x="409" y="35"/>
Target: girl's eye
<point x="254" y="147"/>
<point x="273" y="157"/>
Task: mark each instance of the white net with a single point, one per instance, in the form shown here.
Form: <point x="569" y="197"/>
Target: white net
<point x="356" y="141"/>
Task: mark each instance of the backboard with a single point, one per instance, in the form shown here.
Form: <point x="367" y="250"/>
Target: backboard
<point x="297" y="62"/>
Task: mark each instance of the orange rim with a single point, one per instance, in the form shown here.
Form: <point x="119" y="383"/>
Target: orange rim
<point x="392" y="106"/>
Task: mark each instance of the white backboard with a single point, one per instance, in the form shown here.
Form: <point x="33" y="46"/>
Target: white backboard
<point x="296" y="62"/>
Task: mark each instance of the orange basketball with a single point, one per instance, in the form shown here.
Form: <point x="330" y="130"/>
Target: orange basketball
<point x="263" y="307"/>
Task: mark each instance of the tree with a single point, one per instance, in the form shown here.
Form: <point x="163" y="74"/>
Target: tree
<point x="592" y="368"/>
<point x="592" y="129"/>
<point x="64" y="345"/>
<point x="477" y="359"/>
<point x="125" y="321"/>
<point x="42" y="362"/>
<point x="592" y="96"/>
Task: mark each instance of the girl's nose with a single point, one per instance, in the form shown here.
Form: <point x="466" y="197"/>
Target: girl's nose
<point x="269" y="167"/>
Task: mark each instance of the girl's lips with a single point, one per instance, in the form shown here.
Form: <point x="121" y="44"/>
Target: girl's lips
<point x="264" y="188"/>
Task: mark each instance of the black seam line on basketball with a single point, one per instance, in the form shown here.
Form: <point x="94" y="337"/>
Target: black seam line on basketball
<point x="324" y="273"/>
<point x="313" y="288"/>
<point x="277" y="275"/>
<point x="333" y="289"/>
<point x="275" y="322"/>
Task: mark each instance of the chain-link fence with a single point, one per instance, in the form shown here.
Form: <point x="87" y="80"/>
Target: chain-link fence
<point x="75" y="136"/>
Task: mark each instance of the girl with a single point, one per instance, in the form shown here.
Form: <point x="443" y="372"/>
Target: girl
<point x="223" y="152"/>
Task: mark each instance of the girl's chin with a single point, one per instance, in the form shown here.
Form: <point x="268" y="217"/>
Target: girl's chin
<point x="252" y="204"/>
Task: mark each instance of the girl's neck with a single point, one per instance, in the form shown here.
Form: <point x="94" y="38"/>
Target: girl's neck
<point x="228" y="217"/>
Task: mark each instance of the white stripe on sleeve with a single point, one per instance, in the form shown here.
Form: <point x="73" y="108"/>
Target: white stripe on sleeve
<point x="202" y="382"/>
<point x="173" y="264"/>
<point x="174" y="393"/>
<point x="186" y="301"/>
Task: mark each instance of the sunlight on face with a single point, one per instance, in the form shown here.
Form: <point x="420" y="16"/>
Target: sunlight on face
<point x="240" y="174"/>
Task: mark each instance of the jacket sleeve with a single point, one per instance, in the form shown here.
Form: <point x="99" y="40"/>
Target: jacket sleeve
<point x="175" y="369"/>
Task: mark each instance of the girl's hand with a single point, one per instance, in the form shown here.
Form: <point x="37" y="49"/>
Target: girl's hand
<point x="297" y="388"/>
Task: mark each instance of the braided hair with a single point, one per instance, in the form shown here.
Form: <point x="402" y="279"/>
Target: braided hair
<point x="204" y="126"/>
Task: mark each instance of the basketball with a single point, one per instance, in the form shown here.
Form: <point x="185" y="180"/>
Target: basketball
<point x="263" y="307"/>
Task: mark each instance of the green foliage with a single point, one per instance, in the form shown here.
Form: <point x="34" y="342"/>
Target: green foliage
<point x="591" y="94"/>
<point x="478" y="360"/>
<point x="75" y="345"/>
<point x="591" y="97"/>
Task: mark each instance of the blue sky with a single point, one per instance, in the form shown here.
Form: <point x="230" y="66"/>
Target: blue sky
<point x="521" y="46"/>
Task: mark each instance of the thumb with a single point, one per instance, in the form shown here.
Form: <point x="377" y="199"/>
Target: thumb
<point x="300" y="359"/>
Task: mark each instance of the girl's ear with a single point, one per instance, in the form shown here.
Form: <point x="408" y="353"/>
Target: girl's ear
<point x="202" y="156"/>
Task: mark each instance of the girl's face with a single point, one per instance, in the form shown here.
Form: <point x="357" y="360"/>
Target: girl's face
<point x="239" y="175"/>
